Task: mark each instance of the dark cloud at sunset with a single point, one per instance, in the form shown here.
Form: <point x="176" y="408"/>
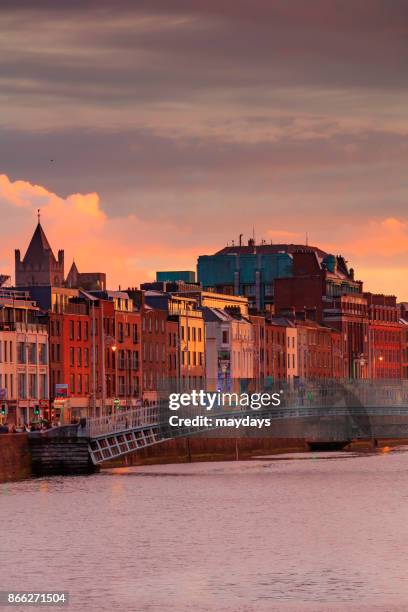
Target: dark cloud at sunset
<point x="180" y="125"/>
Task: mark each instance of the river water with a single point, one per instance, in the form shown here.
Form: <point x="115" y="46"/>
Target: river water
<point x="301" y="532"/>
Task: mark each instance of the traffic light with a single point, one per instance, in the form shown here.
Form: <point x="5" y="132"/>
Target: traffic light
<point x="116" y="403"/>
<point x="36" y="410"/>
<point x="3" y="410"/>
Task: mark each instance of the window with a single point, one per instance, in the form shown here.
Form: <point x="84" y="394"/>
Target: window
<point x="32" y="385"/>
<point x="79" y="386"/>
<point x="42" y="349"/>
<point x="79" y="330"/>
<point x="22" y="387"/>
<point x="79" y="357"/>
<point x="225" y="337"/>
<point x="43" y="386"/>
<point x="32" y="356"/>
<point x="21" y="356"/>
<point x="71" y="357"/>
<point x="135" y="335"/>
<point x="86" y="357"/>
<point x="71" y="330"/>
<point x="86" y="383"/>
<point x="72" y="383"/>
<point x="86" y="330"/>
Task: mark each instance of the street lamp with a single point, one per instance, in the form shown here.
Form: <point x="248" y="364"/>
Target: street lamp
<point x="111" y="344"/>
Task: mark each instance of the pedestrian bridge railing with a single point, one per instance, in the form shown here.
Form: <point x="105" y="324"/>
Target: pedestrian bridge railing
<point x="122" y="421"/>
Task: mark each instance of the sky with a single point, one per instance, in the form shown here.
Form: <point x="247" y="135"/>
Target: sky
<point x="151" y="132"/>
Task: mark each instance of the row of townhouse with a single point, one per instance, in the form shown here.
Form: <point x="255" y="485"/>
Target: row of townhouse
<point x="76" y="353"/>
<point x="24" y="357"/>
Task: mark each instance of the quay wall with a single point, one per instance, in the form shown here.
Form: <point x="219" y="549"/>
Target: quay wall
<point x="15" y="457"/>
<point x="17" y="463"/>
<point x="196" y="448"/>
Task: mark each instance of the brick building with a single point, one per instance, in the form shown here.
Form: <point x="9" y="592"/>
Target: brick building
<point x="386" y="335"/>
<point x="183" y="311"/>
<point x="70" y="356"/>
<point x="275" y="349"/>
<point x="404" y="338"/>
<point x="319" y="351"/>
<point x="160" y="348"/>
<point x="326" y="290"/>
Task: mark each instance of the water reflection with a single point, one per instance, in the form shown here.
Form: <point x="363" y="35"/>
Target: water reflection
<point x="321" y="531"/>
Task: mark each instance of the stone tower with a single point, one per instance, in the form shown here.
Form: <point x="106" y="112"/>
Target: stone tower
<point x="39" y="266"/>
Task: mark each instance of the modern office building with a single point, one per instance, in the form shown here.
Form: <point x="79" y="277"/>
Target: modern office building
<point x="250" y="270"/>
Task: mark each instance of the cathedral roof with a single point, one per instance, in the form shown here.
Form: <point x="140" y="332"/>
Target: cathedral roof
<point x="39" y="246"/>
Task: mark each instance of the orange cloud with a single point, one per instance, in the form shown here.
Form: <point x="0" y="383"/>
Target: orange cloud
<point x="385" y="237"/>
<point x="129" y="249"/>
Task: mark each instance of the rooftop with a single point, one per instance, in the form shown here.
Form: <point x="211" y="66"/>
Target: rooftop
<point x="268" y="249"/>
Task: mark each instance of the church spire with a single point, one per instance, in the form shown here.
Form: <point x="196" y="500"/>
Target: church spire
<point x="39" y="265"/>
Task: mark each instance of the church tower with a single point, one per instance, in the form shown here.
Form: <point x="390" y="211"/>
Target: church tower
<point x="39" y="266"/>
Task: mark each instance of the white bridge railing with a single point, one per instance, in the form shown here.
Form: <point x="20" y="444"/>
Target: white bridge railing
<point x="122" y="421"/>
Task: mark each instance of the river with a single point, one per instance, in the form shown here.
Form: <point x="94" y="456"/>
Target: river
<point x="313" y="532"/>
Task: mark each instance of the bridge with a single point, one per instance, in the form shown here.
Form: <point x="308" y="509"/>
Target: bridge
<point x="337" y="414"/>
<point x="333" y="415"/>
